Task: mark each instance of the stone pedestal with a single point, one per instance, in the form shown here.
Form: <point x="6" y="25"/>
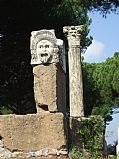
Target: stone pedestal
<point x="33" y="132"/>
<point x="49" y="88"/>
<point x="75" y="74"/>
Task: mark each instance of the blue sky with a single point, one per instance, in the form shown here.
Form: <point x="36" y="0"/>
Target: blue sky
<point x="105" y="33"/>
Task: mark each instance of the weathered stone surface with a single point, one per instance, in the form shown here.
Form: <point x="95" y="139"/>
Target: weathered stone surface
<point x="46" y="48"/>
<point x="75" y="74"/>
<point x="33" y="132"/>
<point x="41" y="157"/>
<point x="49" y="88"/>
<point x="43" y="153"/>
<point x="1" y="144"/>
<point x="5" y="153"/>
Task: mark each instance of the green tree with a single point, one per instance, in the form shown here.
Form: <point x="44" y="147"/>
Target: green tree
<point x="101" y="83"/>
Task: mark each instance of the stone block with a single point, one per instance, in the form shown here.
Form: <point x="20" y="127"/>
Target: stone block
<point x="33" y="132"/>
<point x="50" y="88"/>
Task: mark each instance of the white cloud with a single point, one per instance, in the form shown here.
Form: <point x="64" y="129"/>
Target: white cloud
<point x="95" y="52"/>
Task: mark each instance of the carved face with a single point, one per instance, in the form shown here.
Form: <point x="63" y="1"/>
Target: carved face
<point x="44" y="50"/>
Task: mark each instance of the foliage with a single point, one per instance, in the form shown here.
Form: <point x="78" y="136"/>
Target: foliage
<point x="73" y="13"/>
<point x="104" y="6"/>
<point x="75" y="154"/>
<point x="90" y="134"/>
<point x="5" y="110"/>
<point x="90" y="93"/>
<point x="16" y="80"/>
<point x="37" y="15"/>
<point x="16" y="91"/>
<point x="101" y="83"/>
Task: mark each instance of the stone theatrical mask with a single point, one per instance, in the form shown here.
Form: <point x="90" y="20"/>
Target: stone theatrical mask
<point x="47" y="49"/>
<point x="44" y="51"/>
<point x="44" y="47"/>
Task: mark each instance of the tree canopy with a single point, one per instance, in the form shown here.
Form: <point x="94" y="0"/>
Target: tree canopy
<point x="101" y="86"/>
<point x="104" y="6"/>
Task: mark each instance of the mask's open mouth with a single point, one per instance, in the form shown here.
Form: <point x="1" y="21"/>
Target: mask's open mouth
<point x="44" y="57"/>
<point x="44" y="54"/>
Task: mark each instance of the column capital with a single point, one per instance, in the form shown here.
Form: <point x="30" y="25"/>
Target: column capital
<point x="73" y="33"/>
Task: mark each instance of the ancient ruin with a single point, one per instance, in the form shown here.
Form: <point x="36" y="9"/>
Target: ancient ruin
<point x="44" y="134"/>
<point x="48" y="61"/>
<point x="73" y="34"/>
<point x="26" y="133"/>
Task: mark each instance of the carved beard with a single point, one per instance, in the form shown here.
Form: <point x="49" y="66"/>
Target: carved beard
<point x="45" y="57"/>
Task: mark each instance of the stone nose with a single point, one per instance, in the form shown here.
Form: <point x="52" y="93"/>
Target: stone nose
<point x="44" y="48"/>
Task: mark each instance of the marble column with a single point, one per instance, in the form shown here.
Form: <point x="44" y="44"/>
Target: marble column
<point x="73" y="34"/>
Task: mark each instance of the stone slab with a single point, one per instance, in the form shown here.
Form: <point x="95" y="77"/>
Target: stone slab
<point x="33" y="132"/>
<point x="50" y="88"/>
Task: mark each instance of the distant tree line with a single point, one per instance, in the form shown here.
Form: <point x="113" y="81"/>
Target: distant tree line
<point x="101" y="86"/>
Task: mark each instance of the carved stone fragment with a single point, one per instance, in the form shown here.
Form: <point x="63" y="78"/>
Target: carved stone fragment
<point x="46" y="48"/>
<point x="49" y="67"/>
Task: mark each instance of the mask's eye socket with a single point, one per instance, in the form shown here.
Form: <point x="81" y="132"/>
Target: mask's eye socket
<point x="46" y="46"/>
<point x="41" y="46"/>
